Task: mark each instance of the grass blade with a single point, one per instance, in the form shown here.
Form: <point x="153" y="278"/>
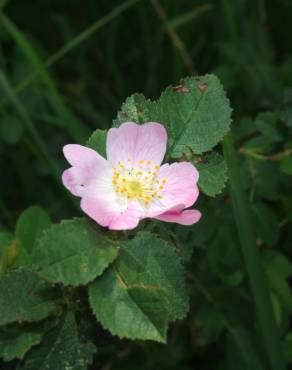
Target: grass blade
<point x="74" y="128"/>
<point x="252" y="259"/>
<point x="184" y="18"/>
<point x="83" y="36"/>
<point x="2" y="3"/>
<point x="8" y="91"/>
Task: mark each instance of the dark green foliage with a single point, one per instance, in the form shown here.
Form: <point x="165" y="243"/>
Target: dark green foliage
<point x="164" y="296"/>
<point x="73" y="253"/>
<point x="60" y="349"/>
<point x="29" y="227"/>
<point x="24" y="297"/>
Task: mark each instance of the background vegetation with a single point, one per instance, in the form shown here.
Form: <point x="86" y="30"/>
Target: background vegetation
<point x="65" y="69"/>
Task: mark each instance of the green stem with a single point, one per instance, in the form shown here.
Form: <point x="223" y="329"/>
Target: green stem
<point x="272" y="157"/>
<point x="252" y="259"/>
<point x="174" y="37"/>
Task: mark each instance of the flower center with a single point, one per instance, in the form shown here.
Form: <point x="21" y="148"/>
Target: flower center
<point x="133" y="188"/>
<point x="138" y="181"/>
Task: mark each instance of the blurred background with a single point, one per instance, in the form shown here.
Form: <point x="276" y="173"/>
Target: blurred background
<point x="65" y="69"/>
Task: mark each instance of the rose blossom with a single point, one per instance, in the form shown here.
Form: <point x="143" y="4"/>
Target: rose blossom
<point x="132" y="184"/>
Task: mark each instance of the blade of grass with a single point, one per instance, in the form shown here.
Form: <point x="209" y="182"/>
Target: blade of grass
<point x="74" y="128"/>
<point x="83" y="36"/>
<point x="184" y="18"/>
<point x="174" y="37"/>
<point x="252" y="259"/>
<point x="2" y="4"/>
<point x="8" y="91"/>
<point x="39" y="142"/>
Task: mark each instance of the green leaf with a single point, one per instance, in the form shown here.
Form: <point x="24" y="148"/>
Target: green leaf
<point x="278" y="263"/>
<point x="147" y="270"/>
<point x="15" y="341"/>
<point x="60" y="349"/>
<point x="136" y="109"/>
<point x="73" y="253"/>
<point x="286" y="165"/>
<point x="30" y="225"/>
<point x="149" y="260"/>
<point x="213" y="174"/>
<point x="24" y="297"/>
<point x="14" y="256"/>
<point x="137" y="312"/>
<point x="97" y="141"/>
<point x="6" y="240"/>
<point x="196" y="114"/>
<point x="266" y="122"/>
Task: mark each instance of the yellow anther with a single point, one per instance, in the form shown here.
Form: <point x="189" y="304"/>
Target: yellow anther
<point x="135" y="183"/>
<point x="156" y="167"/>
<point x="164" y="181"/>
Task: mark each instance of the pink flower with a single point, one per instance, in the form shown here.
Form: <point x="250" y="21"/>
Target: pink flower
<point x="131" y="184"/>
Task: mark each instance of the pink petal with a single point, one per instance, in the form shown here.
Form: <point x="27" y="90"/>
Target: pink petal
<point x="132" y="142"/>
<point x="89" y="181"/>
<point x="180" y="187"/>
<point x="188" y="217"/>
<point x="90" y="171"/>
<point x="73" y="179"/>
<point x="107" y="214"/>
<point x="81" y="156"/>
